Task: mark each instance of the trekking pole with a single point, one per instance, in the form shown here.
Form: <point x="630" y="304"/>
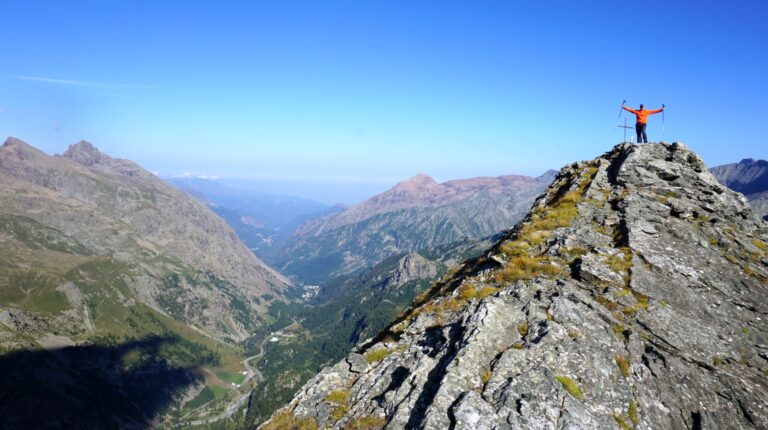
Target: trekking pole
<point x="662" y="120"/>
<point x="621" y="110"/>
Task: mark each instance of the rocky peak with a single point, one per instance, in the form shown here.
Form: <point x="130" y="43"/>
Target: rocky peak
<point x="11" y="142"/>
<point x="411" y="267"/>
<point x="20" y="148"/>
<point x="748" y="176"/>
<point x="416" y="188"/>
<point x="86" y="154"/>
<point x="752" y="161"/>
<point x="419" y="179"/>
<point x="633" y="295"/>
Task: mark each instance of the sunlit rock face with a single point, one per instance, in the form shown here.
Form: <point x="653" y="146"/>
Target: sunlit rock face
<point x="633" y="295"/>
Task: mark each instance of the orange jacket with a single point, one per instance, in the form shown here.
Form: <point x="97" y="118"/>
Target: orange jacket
<point x="642" y="115"/>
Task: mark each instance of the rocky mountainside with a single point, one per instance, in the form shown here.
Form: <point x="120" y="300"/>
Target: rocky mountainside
<point x="84" y="228"/>
<point x="749" y="177"/>
<point x="347" y="309"/>
<point x="415" y="214"/>
<point x="633" y="295"/>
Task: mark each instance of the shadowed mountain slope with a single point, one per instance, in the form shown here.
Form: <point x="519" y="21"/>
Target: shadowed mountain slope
<point x="633" y="295"/>
<point x="90" y="387"/>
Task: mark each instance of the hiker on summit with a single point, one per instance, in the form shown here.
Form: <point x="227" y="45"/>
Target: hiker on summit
<point x="642" y="121"/>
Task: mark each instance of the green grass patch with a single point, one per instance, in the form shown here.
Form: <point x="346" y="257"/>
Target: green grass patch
<point x="366" y="423"/>
<point x="486" y="376"/>
<point x="620" y="263"/>
<point x="377" y="355"/>
<point x="632" y="412"/>
<point x="621" y="330"/>
<point x="205" y="396"/>
<point x="218" y="390"/>
<point x="339" y="411"/>
<point x="284" y="420"/>
<point x="621" y="422"/>
<point x="230" y="377"/>
<point x="339" y="397"/>
<point x="571" y="386"/>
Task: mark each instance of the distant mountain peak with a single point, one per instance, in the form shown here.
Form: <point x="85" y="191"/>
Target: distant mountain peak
<point x="416" y="213"/>
<point x="19" y="146"/>
<point x="420" y="178"/>
<point x="12" y="141"/>
<point x="547" y="176"/>
<point x="753" y="162"/>
<point x="416" y="187"/>
<point x="86" y="154"/>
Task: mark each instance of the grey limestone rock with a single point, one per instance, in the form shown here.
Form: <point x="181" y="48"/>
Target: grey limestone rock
<point x="633" y="295"/>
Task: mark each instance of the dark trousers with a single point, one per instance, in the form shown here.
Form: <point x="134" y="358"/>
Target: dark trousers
<point x="640" y="130"/>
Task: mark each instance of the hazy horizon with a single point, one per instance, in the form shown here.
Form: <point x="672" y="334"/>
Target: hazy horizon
<point x="366" y="95"/>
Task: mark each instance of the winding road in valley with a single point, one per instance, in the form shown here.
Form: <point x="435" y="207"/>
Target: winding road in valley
<point x="251" y="372"/>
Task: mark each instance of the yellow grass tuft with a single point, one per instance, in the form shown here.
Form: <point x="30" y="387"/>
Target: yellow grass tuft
<point x="571" y="386"/>
<point x="339" y="397"/>
<point x="366" y="423"/>
<point x="525" y="267"/>
<point x="522" y="328"/>
<point x="377" y="355"/>
<point x="284" y="420"/>
<point x="486" y="376"/>
<point x="623" y="364"/>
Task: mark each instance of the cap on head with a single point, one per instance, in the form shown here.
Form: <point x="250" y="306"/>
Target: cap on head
<point x="641" y="106"/>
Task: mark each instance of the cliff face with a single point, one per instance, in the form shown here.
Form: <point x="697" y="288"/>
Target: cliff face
<point x="633" y="295"/>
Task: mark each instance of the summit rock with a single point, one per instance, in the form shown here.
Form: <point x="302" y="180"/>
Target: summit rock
<point x="634" y="294"/>
<point x="86" y="154"/>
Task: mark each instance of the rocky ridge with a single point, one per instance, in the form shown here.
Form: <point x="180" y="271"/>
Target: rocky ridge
<point x="633" y="295"/>
<point x="415" y="214"/>
<point x="86" y="219"/>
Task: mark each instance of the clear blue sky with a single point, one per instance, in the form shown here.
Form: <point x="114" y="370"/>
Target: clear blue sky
<point x="366" y="93"/>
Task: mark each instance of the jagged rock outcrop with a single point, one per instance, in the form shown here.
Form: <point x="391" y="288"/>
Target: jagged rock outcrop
<point x="633" y="295"/>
